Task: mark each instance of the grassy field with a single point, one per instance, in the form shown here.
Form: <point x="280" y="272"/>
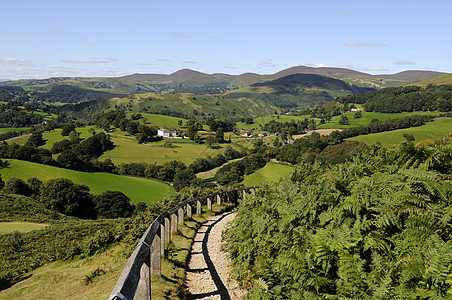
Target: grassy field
<point x="64" y="280"/>
<point x="8" y="227"/>
<point x="52" y="137"/>
<point x="263" y="120"/>
<point x="367" y="117"/>
<point x="128" y="151"/>
<point x="160" y="121"/>
<point x="431" y="130"/>
<point x="137" y="189"/>
<point x="7" y="129"/>
<point x="272" y="172"/>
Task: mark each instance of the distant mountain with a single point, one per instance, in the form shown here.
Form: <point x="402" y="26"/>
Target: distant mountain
<point x="1" y="80"/>
<point x="444" y="79"/>
<point x="298" y="90"/>
<point x="413" y="76"/>
<point x="198" y="83"/>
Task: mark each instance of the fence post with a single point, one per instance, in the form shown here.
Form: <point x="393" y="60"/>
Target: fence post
<point x="143" y="290"/>
<point x="209" y="204"/>
<point x="173" y="223"/>
<point x="156" y="257"/>
<point x="167" y="230"/>
<point x="219" y="199"/>
<point x="189" y="212"/>
<point x="181" y="216"/>
<point x="253" y="191"/>
<point x="162" y="239"/>
<point x="198" y="207"/>
<point x="244" y="194"/>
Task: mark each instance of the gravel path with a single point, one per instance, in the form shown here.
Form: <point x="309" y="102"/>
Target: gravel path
<point x="208" y="269"/>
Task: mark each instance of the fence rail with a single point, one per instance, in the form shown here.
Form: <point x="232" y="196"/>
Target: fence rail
<point x="145" y="261"/>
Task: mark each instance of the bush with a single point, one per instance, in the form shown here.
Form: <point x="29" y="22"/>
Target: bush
<point x="112" y="204"/>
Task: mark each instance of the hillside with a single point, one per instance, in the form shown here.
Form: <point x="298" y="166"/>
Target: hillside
<point x="137" y="189"/>
<point x="190" y="106"/>
<point x="190" y="81"/>
<point x="298" y="90"/>
<point x="444" y="79"/>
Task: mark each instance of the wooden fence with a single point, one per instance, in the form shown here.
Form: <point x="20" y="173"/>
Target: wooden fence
<point x="145" y="261"/>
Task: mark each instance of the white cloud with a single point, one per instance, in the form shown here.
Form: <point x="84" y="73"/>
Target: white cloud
<point x="16" y="61"/>
<point x="176" y="35"/>
<point x="381" y="45"/>
<point x="341" y="12"/>
<point x="321" y="66"/>
<point x="212" y="37"/>
<point x="308" y="63"/>
<point x="359" y="44"/>
<point x="145" y="64"/>
<point x="189" y="62"/>
<point x="403" y="62"/>
<point x="84" y="61"/>
<point x="112" y="58"/>
<point x="344" y="65"/>
<point x="373" y="69"/>
<point x="266" y="64"/>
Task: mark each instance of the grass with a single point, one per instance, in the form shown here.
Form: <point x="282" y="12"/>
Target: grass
<point x="211" y="173"/>
<point x="65" y="280"/>
<point x="271" y="173"/>
<point x="160" y="121"/>
<point x="7" y="129"/>
<point x="264" y="120"/>
<point x="431" y="130"/>
<point x="8" y="227"/>
<point x="367" y="117"/>
<point x="128" y="151"/>
<point x="137" y="189"/>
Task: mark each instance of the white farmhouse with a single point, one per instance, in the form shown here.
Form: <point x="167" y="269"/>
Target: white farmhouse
<point x="166" y="133"/>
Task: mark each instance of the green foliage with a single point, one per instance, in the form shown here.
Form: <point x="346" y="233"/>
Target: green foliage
<point x="375" y="227"/>
<point x="112" y="204"/>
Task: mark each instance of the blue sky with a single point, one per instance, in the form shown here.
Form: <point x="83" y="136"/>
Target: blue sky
<point x="47" y="38"/>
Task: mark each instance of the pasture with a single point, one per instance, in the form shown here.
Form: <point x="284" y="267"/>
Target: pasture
<point x="432" y="130"/>
<point x="271" y="173"/>
<point x="8" y="227"/>
<point x="137" y="189"/>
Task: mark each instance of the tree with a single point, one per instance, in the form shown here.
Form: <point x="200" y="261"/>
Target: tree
<point x="179" y="123"/>
<point x="409" y="137"/>
<point x="112" y="204"/>
<point x="91" y="130"/>
<point x="67" y="128"/>
<point x="35" y="140"/>
<point x="17" y="186"/>
<point x="344" y="121"/>
<point x="68" y="198"/>
<point x="357" y="115"/>
<point x="183" y="178"/>
<point x="2" y="183"/>
<point x="219" y="135"/>
<point x="35" y="185"/>
<point x="74" y="137"/>
<point x="210" y="140"/>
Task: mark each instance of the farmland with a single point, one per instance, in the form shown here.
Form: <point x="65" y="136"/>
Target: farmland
<point x="137" y="189"/>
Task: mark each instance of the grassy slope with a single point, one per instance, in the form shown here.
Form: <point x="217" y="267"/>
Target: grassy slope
<point x="265" y="119"/>
<point x="64" y="280"/>
<point x="7" y="129"/>
<point x="272" y="172"/>
<point x="444" y="79"/>
<point x="367" y="117"/>
<point x="137" y="189"/>
<point x="128" y="151"/>
<point x="160" y="120"/>
<point x="431" y="130"/>
<point x="8" y="227"/>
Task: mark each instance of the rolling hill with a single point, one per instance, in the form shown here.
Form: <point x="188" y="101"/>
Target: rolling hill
<point x="298" y="90"/>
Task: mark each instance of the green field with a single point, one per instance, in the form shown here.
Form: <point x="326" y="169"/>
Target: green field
<point x="272" y="172"/>
<point x="367" y="117"/>
<point x="264" y="120"/>
<point x="8" y="227"/>
<point x="137" y="189"/>
<point x="128" y="151"/>
<point x="53" y="136"/>
<point x="431" y="130"/>
<point x="64" y="280"/>
<point x="7" y="129"/>
<point x="160" y="121"/>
